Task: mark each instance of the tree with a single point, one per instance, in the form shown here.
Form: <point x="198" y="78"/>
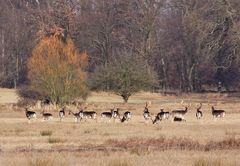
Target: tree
<point x="56" y="70"/>
<point x="125" y="76"/>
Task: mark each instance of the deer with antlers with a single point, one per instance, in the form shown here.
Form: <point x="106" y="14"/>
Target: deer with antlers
<point x="199" y="113"/>
<point x="146" y="113"/>
<point x="218" y="113"/>
<point x="179" y="114"/>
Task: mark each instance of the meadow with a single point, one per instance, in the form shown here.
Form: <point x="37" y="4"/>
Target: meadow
<point x="203" y="142"/>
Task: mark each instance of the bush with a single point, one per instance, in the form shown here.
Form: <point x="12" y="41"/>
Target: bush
<point x="46" y="133"/>
<point x="125" y="76"/>
<point x="56" y="70"/>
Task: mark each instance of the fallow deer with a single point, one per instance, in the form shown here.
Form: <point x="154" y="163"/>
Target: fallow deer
<point x="47" y="116"/>
<point x="218" y="113"/>
<point x="62" y="113"/>
<point x="87" y="115"/>
<point x="199" y="113"/>
<point x="126" y="116"/>
<point x="180" y="113"/>
<point x="30" y="115"/>
<point x="179" y="119"/>
<point x="161" y="116"/>
<point x="76" y="115"/>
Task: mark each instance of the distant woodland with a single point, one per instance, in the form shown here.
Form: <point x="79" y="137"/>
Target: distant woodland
<point x="183" y="44"/>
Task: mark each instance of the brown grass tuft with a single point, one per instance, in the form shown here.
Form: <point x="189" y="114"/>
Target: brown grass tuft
<point x="118" y="163"/>
<point x="156" y="143"/>
<point x="55" y="140"/>
<point x="230" y="143"/>
<point x="207" y="162"/>
<point x="46" y="133"/>
<point x="41" y="162"/>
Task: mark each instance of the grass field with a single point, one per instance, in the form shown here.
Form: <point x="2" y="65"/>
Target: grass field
<point x="195" y="142"/>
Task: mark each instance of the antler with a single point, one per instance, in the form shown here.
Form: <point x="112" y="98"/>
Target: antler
<point x="200" y="106"/>
<point x="148" y="104"/>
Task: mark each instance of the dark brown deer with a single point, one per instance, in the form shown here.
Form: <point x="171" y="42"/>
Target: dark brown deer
<point x="126" y="116"/>
<point x="30" y="115"/>
<point x="161" y="116"/>
<point x="87" y="115"/>
<point x="218" y="113"/>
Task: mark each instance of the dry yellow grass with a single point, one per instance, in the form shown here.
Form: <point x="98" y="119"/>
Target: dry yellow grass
<point x="195" y="142"/>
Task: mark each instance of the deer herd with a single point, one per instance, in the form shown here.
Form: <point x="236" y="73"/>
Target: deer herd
<point x="177" y="115"/>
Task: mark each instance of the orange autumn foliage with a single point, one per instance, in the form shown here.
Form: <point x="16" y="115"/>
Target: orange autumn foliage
<point x="56" y="70"/>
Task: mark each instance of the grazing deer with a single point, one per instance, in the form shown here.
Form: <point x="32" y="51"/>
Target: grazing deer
<point x="180" y="113"/>
<point x="179" y="119"/>
<point x="76" y="115"/>
<point x="126" y="116"/>
<point x="30" y="115"/>
<point x="161" y="116"/>
<point x="218" y="113"/>
<point x="199" y="113"/>
<point x="62" y="113"/>
<point x="47" y="116"/>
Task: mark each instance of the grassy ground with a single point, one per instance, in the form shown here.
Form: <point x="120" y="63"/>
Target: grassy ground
<point x="202" y="142"/>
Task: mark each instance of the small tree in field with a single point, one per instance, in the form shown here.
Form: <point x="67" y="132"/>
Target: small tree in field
<point x="125" y="76"/>
<point x="55" y="70"/>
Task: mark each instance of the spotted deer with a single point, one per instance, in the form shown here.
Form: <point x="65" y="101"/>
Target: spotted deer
<point x="199" y="113"/>
<point x="218" y="113"/>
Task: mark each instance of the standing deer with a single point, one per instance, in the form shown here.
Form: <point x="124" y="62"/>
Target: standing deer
<point x="218" y="113"/>
<point x="116" y="114"/>
<point x="180" y="113"/>
<point x="87" y="114"/>
<point x="199" y="113"/>
<point x="107" y="115"/>
<point x="146" y="114"/>
<point x="47" y="116"/>
<point x="30" y="115"/>
<point x="76" y="115"/>
<point x="62" y="113"/>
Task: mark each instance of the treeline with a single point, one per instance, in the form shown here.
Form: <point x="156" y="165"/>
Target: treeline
<point x="187" y="43"/>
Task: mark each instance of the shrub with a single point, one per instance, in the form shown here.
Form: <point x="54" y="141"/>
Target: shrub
<point x="207" y="162"/>
<point x="56" y="70"/>
<point x="125" y="76"/>
<point x="46" y="133"/>
<point x="55" y="140"/>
